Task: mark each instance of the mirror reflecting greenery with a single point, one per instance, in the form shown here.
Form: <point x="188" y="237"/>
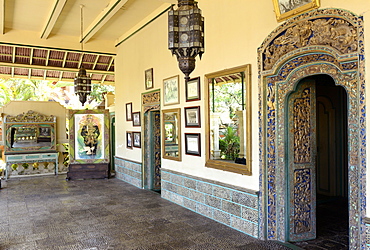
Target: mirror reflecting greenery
<point x="229" y="118"/>
<point x="171" y="139"/>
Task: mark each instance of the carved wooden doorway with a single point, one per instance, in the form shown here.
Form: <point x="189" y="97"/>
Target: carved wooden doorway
<point x="317" y="164"/>
<point x="303" y="46"/>
<point x="152" y="141"/>
<point x="152" y="146"/>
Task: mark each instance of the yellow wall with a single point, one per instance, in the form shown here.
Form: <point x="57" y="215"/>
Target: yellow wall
<point x="234" y="30"/>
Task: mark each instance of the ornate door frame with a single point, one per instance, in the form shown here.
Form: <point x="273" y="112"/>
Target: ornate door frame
<point x="151" y="104"/>
<point x="327" y="41"/>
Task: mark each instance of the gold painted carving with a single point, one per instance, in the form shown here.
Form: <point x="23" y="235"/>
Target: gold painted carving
<point x="333" y="32"/>
<point x="151" y="98"/>
<point x="302" y="127"/>
<point x="30" y="116"/>
<point x="302" y="201"/>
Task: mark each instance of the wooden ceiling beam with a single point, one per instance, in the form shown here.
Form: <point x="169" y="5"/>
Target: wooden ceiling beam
<point x="41" y="67"/>
<point x="101" y="19"/>
<point x="53" y="17"/>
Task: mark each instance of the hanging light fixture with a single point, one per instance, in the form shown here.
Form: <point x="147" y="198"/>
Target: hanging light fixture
<point x="186" y="34"/>
<point x="82" y="82"/>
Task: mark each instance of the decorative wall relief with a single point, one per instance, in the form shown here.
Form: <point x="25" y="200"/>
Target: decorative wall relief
<point x="301" y="128"/>
<point x="302" y="197"/>
<point x="327" y="41"/>
<point x="334" y="32"/>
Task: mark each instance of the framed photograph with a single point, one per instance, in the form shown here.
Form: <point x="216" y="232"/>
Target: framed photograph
<point x="149" y="84"/>
<point x="192" y="117"/>
<point x="285" y="9"/>
<point x="192" y="89"/>
<point x="129" y="140"/>
<point x="136" y="121"/>
<point x="129" y="111"/>
<point x="88" y="136"/>
<point x="171" y="90"/>
<point x="136" y="139"/>
<point x="192" y="144"/>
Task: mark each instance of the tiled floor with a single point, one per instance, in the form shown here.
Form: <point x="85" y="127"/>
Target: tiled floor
<point x="51" y="213"/>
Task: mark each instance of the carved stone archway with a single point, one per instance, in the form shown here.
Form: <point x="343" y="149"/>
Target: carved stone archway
<point x="328" y="41"/>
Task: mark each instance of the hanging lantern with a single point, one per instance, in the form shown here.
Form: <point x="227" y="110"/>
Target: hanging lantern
<point x="186" y="34"/>
<point x="82" y="81"/>
<point x="82" y="85"/>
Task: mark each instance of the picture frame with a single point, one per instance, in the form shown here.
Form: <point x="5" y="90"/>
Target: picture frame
<point x="149" y="83"/>
<point x="129" y="111"/>
<point x="136" y="139"/>
<point x="192" y="117"/>
<point x="171" y="91"/>
<point x="192" y="89"/>
<point x="171" y="134"/>
<point x="192" y="144"/>
<point x="136" y="120"/>
<point x="84" y="149"/>
<point x="129" y="139"/>
<point x="285" y="9"/>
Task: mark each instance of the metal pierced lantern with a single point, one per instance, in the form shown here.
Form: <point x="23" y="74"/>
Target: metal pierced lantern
<point x="82" y="85"/>
<point x="186" y="34"/>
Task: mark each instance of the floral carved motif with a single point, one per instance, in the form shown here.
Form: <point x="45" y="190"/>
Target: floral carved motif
<point x="333" y="32"/>
<point x="302" y="127"/>
<point x="30" y="116"/>
<point x="151" y="98"/>
<point x="302" y="197"/>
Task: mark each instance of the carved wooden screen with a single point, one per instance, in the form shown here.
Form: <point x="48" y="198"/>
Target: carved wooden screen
<point x="301" y="161"/>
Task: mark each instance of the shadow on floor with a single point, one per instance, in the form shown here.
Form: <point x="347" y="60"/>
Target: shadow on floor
<point x="332" y="225"/>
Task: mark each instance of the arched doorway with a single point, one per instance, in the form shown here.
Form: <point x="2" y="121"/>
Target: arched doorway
<point x="317" y="123"/>
<point x="151" y="168"/>
<point x="304" y="46"/>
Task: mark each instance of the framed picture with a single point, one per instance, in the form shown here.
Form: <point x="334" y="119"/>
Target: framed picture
<point x="136" y="121"/>
<point x="129" y="111"/>
<point x="285" y="9"/>
<point x="88" y="136"/>
<point x="192" y="89"/>
<point x="171" y="90"/>
<point x="192" y="144"/>
<point x="192" y="117"/>
<point x="129" y="139"/>
<point x="136" y="139"/>
<point x="149" y="79"/>
<point x="171" y="134"/>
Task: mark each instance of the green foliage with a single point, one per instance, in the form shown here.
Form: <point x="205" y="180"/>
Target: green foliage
<point x="98" y="91"/>
<point x="229" y="144"/>
<point x="42" y="90"/>
<point x="227" y="99"/>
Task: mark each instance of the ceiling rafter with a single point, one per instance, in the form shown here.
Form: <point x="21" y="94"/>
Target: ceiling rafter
<point x="102" y="18"/>
<point x="35" y="62"/>
<point x="95" y="62"/>
<point x="64" y="59"/>
<point x="56" y="10"/>
<point x="14" y="53"/>
<point x="41" y="67"/>
<point x="31" y="56"/>
<point x="47" y="57"/>
<point x="81" y="59"/>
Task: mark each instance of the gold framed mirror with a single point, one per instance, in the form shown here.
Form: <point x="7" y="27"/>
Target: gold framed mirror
<point x="171" y="134"/>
